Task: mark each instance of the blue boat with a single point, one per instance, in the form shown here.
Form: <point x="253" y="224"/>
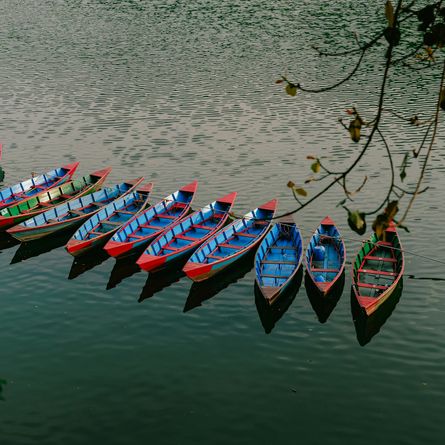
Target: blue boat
<point x="186" y="235"/>
<point x="325" y="256"/>
<point x="71" y="213"/>
<point x="230" y="243"/>
<point x="103" y="224"/>
<point x="30" y="187"/>
<point x="278" y="259"/>
<point x="148" y="225"/>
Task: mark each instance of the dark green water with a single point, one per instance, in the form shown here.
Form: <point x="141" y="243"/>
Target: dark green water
<point x="177" y="90"/>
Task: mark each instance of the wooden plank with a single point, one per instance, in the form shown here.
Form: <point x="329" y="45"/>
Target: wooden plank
<point x="231" y="246"/>
<point x="314" y="269"/>
<point x="380" y="258"/>
<point x="277" y="262"/>
<point x="378" y="272"/>
<point x="372" y="286"/>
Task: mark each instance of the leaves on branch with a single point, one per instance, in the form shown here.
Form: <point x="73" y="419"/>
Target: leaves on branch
<point x="356" y="221"/>
<point x="389" y="13"/>
<point x="298" y="190"/>
<point x="426" y="16"/>
<point x="383" y="220"/>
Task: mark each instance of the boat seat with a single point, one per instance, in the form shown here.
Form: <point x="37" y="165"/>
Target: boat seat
<point x="65" y="196"/>
<point x="231" y="246"/>
<point x="52" y="221"/>
<point x="384" y="243"/>
<point x="380" y="258"/>
<point x="200" y="226"/>
<point x="314" y="269"/>
<point x="214" y="257"/>
<point x="284" y="247"/>
<point x="247" y="235"/>
<point x="45" y="204"/>
<point x="112" y="223"/>
<point x="76" y="212"/>
<point x="267" y="275"/>
<point x="277" y="262"/>
<point x="97" y="203"/>
<point x="378" y="272"/>
<point x="92" y="232"/>
<point x="373" y="286"/>
<point x="151" y="226"/>
<point x="164" y="215"/>
<point x="169" y="248"/>
<point x="125" y="212"/>
<point x="187" y="238"/>
<point x="135" y="236"/>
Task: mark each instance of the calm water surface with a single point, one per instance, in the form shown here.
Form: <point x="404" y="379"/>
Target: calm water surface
<point x="176" y="90"/>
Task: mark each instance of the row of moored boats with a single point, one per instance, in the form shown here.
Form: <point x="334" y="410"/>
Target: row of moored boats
<point x="121" y="220"/>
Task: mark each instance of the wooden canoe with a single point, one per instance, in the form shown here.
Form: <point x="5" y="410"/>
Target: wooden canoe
<point x="230" y="243"/>
<point x="377" y="269"/>
<point x="278" y="259"/>
<point x="70" y="214"/>
<point x="144" y="228"/>
<point x="97" y="230"/>
<point x="16" y="193"/>
<point x="186" y="235"/>
<point x="43" y="201"/>
<point x="325" y="256"/>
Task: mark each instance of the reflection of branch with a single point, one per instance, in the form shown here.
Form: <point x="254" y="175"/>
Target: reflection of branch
<point x="321" y="90"/>
<point x="430" y="148"/>
<point x="417" y="152"/>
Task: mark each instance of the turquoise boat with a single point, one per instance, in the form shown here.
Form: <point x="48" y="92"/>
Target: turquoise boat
<point x="97" y="230"/>
<point x="278" y="259"/>
<point x="186" y="235"/>
<point x="70" y="214"/>
<point x="231" y="243"/>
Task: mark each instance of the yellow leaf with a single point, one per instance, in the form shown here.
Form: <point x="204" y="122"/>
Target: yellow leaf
<point x="291" y="89"/>
<point x="389" y="12"/>
<point x="315" y="167"/>
<point x="300" y="191"/>
<point x="290" y="184"/>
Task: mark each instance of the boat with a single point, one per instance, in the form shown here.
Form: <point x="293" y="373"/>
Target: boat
<point x="71" y="213"/>
<point x="45" y="200"/>
<point x="97" y="230"/>
<point x="278" y="259"/>
<point x="230" y="243"/>
<point x="325" y="256"/>
<point x="141" y="230"/>
<point x="30" y="187"/>
<point x="185" y="236"/>
<point x="377" y="269"/>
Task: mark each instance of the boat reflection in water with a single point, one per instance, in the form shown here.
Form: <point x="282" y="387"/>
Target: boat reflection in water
<point x="35" y="248"/>
<point x="157" y="281"/>
<point x="89" y="261"/>
<point x="124" y="268"/>
<point x="368" y="326"/>
<point x="204" y="290"/>
<point x="270" y="314"/>
<point x="323" y="305"/>
<point x="7" y="241"/>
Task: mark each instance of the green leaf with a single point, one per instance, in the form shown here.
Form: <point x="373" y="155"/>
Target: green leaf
<point x="341" y="203"/>
<point x="300" y="191"/>
<point x="315" y="167"/>
<point x="291" y="89"/>
<point x="355" y="128"/>
<point x="356" y="221"/>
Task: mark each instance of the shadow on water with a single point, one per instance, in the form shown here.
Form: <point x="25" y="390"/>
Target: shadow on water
<point x="199" y="292"/>
<point x="7" y="241"/>
<point x="35" y="248"/>
<point x="368" y="326"/>
<point x="270" y="314"/>
<point x="123" y="268"/>
<point x="87" y="262"/>
<point x="321" y="304"/>
<point x="156" y="281"/>
<point x="2" y="383"/>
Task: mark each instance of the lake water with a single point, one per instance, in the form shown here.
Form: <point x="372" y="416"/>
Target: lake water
<point x="177" y="90"/>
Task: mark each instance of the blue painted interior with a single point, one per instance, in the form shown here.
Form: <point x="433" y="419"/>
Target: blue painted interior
<point x="111" y="217"/>
<point x="195" y="228"/>
<point x="237" y="236"/>
<point x="325" y="251"/>
<point x="279" y="255"/>
<point x="155" y="219"/>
